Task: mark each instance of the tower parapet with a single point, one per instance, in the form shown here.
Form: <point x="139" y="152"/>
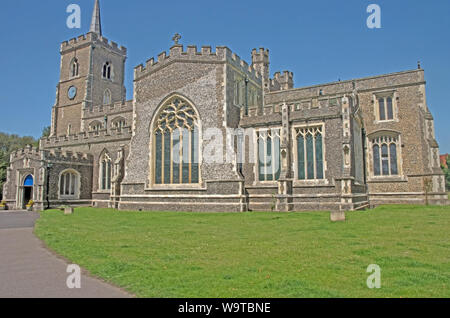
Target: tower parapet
<point x="87" y="39"/>
<point x="114" y="108"/>
<point x="261" y="63"/>
<point x="282" y="81"/>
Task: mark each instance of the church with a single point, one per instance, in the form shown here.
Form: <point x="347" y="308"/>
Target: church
<point x="208" y="131"/>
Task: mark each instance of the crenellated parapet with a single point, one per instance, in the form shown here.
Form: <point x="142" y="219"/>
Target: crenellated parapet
<point x="282" y="82"/>
<point x="67" y="156"/>
<point x="29" y="151"/>
<point x="177" y="53"/>
<point x="90" y="137"/>
<point x="88" y="39"/>
<point x="112" y="109"/>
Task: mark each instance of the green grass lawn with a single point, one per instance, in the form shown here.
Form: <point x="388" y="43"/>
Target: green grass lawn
<point x="258" y="254"/>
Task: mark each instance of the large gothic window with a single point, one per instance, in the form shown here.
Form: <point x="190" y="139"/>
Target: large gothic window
<point x="176" y="144"/>
<point x="309" y="153"/>
<point x="69" y="184"/>
<point x="269" y="166"/>
<point x="105" y="172"/>
<point x="385" y="156"/>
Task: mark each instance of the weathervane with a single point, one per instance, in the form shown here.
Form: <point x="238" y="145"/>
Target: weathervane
<point x="176" y="38"/>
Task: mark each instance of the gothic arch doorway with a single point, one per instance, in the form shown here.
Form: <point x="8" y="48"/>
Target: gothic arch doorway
<point x="27" y="190"/>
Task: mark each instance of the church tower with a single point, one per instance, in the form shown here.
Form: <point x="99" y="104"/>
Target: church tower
<point x="92" y="75"/>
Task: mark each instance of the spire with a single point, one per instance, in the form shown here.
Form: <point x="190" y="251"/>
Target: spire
<point x="96" y="24"/>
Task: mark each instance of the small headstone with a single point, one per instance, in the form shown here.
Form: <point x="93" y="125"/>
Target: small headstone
<point x="337" y="216"/>
<point x="68" y="210"/>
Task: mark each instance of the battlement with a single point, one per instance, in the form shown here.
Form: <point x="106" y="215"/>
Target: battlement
<point x="92" y="38"/>
<point x="108" y="109"/>
<point x="244" y="66"/>
<point x="28" y="151"/>
<point x="261" y="56"/>
<point x="86" y="138"/>
<point x="192" y="54"/>
<point x="282" y="81"/>
<point x="68" y="156"/>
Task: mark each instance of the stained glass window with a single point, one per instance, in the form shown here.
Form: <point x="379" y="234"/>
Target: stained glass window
<point x="176" y="144"/>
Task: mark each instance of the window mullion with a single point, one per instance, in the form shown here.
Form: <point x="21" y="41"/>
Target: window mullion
<point x="314" y="157"/>
<point x="163" y="139"/>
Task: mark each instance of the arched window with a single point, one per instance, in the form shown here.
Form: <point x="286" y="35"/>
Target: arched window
<point x="74" y="68"/>
<point x="176" y="143"/>
<point x="118" y="123"/>
<point x="107" y="70"/>
<point x="310" y="153"/>
<point x="385" y="158"/>
<point x="95" y="126"/>
<point x="105" y="172"/>
<point x="28" y="182"/>
<point x="69" y="184"/>
<point x="107" y="97"/>
<point x="269" y="153"/>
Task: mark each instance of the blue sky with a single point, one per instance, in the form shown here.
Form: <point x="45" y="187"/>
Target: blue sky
<point x="320" y="41"/>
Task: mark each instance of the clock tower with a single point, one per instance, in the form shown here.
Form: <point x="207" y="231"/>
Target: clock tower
<point x="92" y="75"/>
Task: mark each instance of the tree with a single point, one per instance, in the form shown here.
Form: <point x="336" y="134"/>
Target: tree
<point x="46" y="132"/>
<point x="8" y="144"/>
<point x="447" y="174"/>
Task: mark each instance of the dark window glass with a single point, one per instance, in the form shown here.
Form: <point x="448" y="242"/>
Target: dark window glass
<point x="185" y="156"/>
<point x="167" y="159"/>
<point x="158" y="151"/>
<point x="195" y="178"/>
<point x="301" y="157"/>
<point x="393" y="151"/>
<point x="319" y="157"/>
<point x="310" y="156"/>
<point x="390" y="111"/>
<point x="385" y="159"/>
<point x="269" y="161"/>
<point x="382" y="109"/>
<point x="376" y="160"/>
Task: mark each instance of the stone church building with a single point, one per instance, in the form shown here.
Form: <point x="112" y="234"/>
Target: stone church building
<point x="207" y="131"/>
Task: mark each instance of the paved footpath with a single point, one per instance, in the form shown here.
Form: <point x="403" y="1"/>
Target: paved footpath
<point x="29" y="270"/>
